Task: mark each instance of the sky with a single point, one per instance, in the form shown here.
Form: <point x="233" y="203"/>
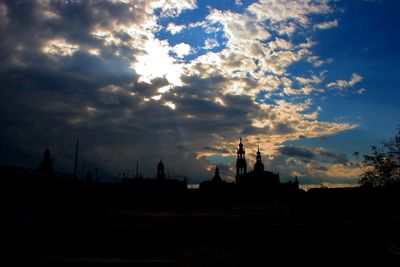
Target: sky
<point x="310" y="82"/>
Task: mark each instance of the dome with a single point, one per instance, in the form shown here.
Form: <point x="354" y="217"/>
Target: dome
<point x="259" y="166"/>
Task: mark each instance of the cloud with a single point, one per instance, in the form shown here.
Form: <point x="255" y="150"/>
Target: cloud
<point x="211" y="43"/>
<point x="238" y="2"/>
<point x="361" y="91"/>
<point x="102" y="71"/>
<point x="341" y="84"/>
<point x="281" y="10"/>
<point x="301" y="152"/>
<point x="59" y="47"/>
<point x="174" y="29"/>
<point x="326" y="25"/>
<point x="314" y="165"/>
<point x="182" y="49"/>
<point x="171" y="8"/>
<point x="313" y="79"/>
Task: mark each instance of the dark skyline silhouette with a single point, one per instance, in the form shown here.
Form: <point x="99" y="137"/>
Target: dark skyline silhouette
<point x="152" y="220"/>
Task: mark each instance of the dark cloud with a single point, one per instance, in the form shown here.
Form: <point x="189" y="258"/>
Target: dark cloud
<point x="50" y="98"/>
<point x="292" y="151"/>
<point x="332" y="156"/>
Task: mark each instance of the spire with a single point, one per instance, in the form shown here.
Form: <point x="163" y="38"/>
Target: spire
<point x="258" y="166"/>
<point x="258" y="157"/>
<point x="241" y="165"/>
<point x="160" y="171"/>
<point x="216" y="177"/>
<point x="241" y="149"/>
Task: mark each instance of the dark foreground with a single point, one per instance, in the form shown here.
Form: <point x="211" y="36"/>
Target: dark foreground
<point x="108" y="225"/>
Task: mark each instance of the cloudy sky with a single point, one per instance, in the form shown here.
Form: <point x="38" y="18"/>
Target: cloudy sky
<point x="309" y="81"/>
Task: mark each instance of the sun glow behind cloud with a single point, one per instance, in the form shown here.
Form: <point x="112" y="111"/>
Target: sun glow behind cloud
<point x="60" y="47"/>
<point x="156" y="62"/>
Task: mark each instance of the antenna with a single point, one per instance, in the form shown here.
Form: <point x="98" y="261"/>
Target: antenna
<point x="96" y="172"/>
<point x="76" y="157"/>
<point x="137" y="169"/>
<point x="83" y="170"/>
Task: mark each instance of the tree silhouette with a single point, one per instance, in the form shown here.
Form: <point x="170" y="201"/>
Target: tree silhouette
<point x="382" y="167"/>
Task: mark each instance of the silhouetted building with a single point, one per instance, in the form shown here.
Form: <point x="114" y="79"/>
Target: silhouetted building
<point x="258" y="166"/>
<point x="217" y="178"/>
<point x="241" y="164"/>
<point x="216" y="185"/>
<point x="160" y="171"/>
<point x="159" y="185"/>
<point x="259" y="180"/>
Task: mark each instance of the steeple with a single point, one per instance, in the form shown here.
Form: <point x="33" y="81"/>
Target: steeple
<point x="258" y="166"/>
<point x="258" y="157"/>
<point x="241" y="165"/>
<point x="160" y="171"/>
<point x="217" y="178"/>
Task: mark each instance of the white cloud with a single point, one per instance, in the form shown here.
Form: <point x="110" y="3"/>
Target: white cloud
<point x="182" y="49"/>
<point x="280" y="44"/>
<point x="355" y="78"/>
<point x="285" y="28"/>
<point x="170" y="105"/>
<point x="281" y="10"/>
<point x="238" y="2"/>
<point x="317" y="62"/>
<point x="211" y="43"/>
<point x="171" y="8"/>
<point x="341" y="84"/>
<point x="238" y="28"/>
<point x="326" y="25"/>
<point x="313" y="79"/>
<point x="174" y="29"/>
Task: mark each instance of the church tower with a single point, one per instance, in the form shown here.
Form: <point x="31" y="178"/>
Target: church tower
<point x="241" y="165"/>
<point x="160" y="171"/>
<point x="258" y="166"/>
<point x="217" y="178"/>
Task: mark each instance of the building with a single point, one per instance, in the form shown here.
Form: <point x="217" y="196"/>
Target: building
<point x="216" y="184"/>
<point x="160" y="185"/>
<point x="258" y="180"/>
<point x="160" y="171"/>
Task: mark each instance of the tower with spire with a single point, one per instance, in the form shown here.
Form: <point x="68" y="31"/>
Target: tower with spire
<point x="241" y="165"/>
<point x="258" y="166"/>
<point x="160" y="171"/>
<point x="217" y="178"/>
